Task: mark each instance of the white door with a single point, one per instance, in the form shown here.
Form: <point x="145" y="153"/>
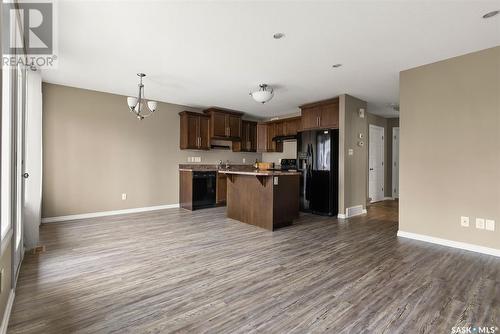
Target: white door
<point x="395" y="162"/>
<point x="376" y="163"/>
<point x="33" y="159"/>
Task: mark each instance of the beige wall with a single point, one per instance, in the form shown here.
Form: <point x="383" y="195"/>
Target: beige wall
<point x="450" y="147"/>
<point x="95" y="150"/>
<point x="353" y="178"/>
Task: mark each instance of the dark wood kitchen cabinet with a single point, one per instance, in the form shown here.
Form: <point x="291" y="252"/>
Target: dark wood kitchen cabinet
<point x="194" y="131"/>
<point x="221" y="189"/>
<point x="291" y="126"/>
<point x="248" y="141"/>
<point x="265" y="134"/>
<point x="224" y="124"/>
<point x="320" y="115"/>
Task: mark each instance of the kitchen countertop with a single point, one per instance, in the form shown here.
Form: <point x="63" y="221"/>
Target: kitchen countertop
<point x="213" y="167"/>
<point x="257" y="172"/>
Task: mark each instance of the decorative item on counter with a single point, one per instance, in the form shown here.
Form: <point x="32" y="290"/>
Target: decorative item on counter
<point x="265" y="165"/>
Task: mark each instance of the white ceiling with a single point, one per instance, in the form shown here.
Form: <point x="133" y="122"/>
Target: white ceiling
<point x="213" y="53"/>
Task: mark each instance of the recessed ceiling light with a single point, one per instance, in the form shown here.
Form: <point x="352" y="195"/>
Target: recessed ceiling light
<point x="336" y="65"/>
<point x="491" y="14"/>
<point x="278" y="35"/>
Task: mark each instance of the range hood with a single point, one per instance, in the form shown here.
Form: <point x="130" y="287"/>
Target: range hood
<point x="284" y="138"/>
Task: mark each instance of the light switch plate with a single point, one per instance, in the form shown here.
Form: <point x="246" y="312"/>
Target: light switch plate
<point x="490" y="224"/>
<point x="275" y="180"/>
<point x="464" y="221"/>
<point x="480" y="223"/>
<point x="124" y="196"/>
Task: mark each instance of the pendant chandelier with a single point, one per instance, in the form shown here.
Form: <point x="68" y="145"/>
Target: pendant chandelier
<point x="137" y="104"/>
<point x="264" y="94"/>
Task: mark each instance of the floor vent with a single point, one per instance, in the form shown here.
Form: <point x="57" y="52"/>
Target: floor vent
<point x="354" y="211"/>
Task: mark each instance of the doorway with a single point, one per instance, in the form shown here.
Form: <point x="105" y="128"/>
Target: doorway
<point x="376" y="163"/>
<point x="395" y="162"/>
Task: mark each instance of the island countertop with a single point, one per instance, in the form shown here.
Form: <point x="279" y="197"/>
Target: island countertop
<point x="258" y="172"/>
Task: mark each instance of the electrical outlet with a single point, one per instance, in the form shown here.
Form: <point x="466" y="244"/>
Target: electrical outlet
<point x="197" y="159"/>
<point x="276" y="181"/>
<point x="464" y="221"/>
<point x="124" y="196"/>
<point x="480" y="223"/>
<point x="490" y="224"/>
<point x="244" y="160"/>
<point x="350" y="151"/>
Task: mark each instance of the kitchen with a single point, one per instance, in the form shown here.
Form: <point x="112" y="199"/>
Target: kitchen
<point x="264" y="194"/>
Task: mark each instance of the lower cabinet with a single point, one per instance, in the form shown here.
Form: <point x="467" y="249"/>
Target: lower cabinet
<point x="221" y="189"/>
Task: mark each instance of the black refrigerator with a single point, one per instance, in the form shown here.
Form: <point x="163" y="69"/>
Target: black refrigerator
<point x="318" y="160"/>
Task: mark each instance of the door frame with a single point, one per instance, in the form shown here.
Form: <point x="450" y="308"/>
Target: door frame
<point x="382" y="129"/>
<point x="395" y="165"/>
<point x="18" y="168"/>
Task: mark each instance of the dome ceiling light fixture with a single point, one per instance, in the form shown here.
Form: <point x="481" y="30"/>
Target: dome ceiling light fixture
<point x="264" y="94"/>
<point x="136" y="104"/>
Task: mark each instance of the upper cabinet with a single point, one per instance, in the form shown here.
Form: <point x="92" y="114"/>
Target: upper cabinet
<point x="291" y="126"/>
<point x="320" y="115"/>
<point x="194" y="131"/>
<point x="248" y="141"/>
<point x="265" y="134"/>
<point x="224" y="124"/>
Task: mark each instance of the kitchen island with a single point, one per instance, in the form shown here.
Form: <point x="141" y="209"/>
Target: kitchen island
<point x="267" y="199"/>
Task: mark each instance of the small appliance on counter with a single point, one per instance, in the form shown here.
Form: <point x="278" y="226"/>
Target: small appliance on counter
<point x="265" y="165"/>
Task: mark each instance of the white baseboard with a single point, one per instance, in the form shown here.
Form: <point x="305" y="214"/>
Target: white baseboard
<point x="6" y="313"/>
<point x="388" y="198"/>
<point x="107" y="213"/>
<point x="450" y="243"/>
<point x="344" y="216"/>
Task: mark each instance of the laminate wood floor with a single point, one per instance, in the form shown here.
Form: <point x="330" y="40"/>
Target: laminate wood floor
<point x="180" y="271"/>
